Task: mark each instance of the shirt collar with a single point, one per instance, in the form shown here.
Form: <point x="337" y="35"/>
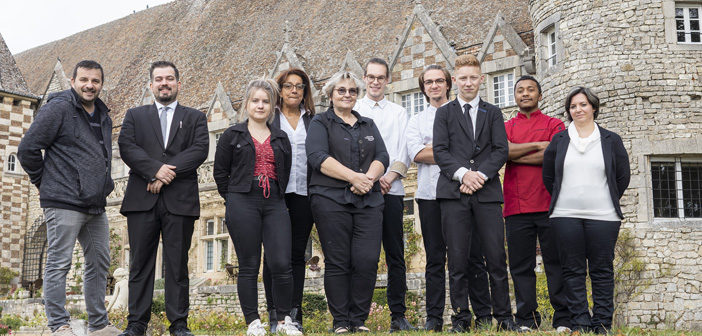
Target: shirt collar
<point x="473" y="103"/>
<point x="431" y="108"/>
<point x="370" y="102"/>
<point x="521" y="115"/>
<point x="171" y="106"/>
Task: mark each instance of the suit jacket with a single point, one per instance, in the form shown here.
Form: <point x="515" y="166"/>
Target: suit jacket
<point x="456" y="146"/>
<point x="616" y="162"/>
<point x="142" y="149"/>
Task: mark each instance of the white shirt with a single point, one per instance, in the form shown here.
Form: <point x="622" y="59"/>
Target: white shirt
<point x="391" y="120"/>
<point x="420" y="133"/>
<point x="458" y="175"/>
<point x="169" y="117"/>
<point x="584" y="189"/>
<point x="298" y="170"/>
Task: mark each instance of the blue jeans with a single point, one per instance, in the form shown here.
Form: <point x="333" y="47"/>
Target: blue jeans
<point x="92" y="231"/>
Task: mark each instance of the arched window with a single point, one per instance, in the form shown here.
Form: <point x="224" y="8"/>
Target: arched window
<point x="12" y="163"/>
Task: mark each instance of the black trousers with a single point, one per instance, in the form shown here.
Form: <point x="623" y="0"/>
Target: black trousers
<point x="522" y="232"/>
<point x="144" y="229"/>
<point x="350" y="240"/>
<point x="435" y="271"/>
<point x="301" y="221"/>
<point x="393" y="244"/>
<point x="587" y="245"/>
<point x="253" y="219"/>
<point x="461" y="219"/>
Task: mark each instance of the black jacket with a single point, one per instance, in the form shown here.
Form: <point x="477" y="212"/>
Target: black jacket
<point x="455" y="146"/>
<point x="73" y="172"/>
<point x="235" y="159"/>
<point x="327" y="137"/>
<point x="142" y="149"/>
<point x="616" y="162"/>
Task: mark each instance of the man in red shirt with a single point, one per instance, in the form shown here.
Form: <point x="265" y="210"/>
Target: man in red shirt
<point x="526" y="208"/>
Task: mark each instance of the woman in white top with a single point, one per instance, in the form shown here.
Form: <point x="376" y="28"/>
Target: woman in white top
<point x="586" y="170"/>
<point x="294" y="111"/>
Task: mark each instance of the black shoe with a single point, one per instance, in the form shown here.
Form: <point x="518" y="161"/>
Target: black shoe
<point x="361" y="329"/>
<point x="434" y="324"/>
<point x="460" y="326"/>
<point x="400" y="323"/>
<point x="600" y="330"/>
<point x="131" y="332"/>
<point x="507" y="325"/>
<point x="182" y="332"/>
<point x="273" y="321"/>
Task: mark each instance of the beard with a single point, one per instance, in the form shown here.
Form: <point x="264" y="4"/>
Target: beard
<point x="167" y="97"/>
<point x="88" y="101"/>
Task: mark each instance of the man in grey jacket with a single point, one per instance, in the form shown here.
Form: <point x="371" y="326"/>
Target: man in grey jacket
<point x="73" y="177"/>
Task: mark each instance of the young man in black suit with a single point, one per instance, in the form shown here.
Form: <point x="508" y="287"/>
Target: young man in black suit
<point x="470" y="147"/>
<point x="163" y="144"/>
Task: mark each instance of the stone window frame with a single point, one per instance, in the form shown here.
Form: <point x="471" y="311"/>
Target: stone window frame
<point x="677" y="161"/>
<point x="550" y="24"/>
<point x="670" y="24"/>
<point x="215" y="237"/>
<point x="490" y="88"/>
<point x="413" y="108"/>
<point x="12" y="163"/>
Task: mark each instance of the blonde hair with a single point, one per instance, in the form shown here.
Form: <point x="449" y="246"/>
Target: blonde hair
<point x="267" y="85"/>
<point x="466" y="60"/>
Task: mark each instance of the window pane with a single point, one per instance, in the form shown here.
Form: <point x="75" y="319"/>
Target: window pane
<point x="680" y="25"/>
<point x="222" y="226"/>
<point x="679" y="12"/>
<point x="406" y="101"/>
<point x="210" y="228"/>
<point x="692" y="189"/>
<point x="224" y="252"/>
<point x="695" y="37"/>
<point x="694" y="25"/>
<point x="209" y="252"/>
<point x="664" y="197"/>
<point x="694" y="14"/>
<point x="681" y="37"/>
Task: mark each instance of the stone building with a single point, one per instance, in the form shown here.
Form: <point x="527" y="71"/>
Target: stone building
<point x="17" y="106"/>
<point x="629" y="51"/>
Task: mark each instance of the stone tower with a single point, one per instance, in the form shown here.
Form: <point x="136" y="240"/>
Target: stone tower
<point x="644" y="60"/>
<point x="17" y="106"/>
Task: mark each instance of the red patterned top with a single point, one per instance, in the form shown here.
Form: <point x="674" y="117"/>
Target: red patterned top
<point x="264" y="168"/>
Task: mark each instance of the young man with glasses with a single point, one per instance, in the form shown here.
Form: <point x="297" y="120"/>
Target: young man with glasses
<point x="391" y="120"/>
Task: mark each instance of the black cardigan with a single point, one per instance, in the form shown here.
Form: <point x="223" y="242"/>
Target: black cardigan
<point x="616" y="162"/>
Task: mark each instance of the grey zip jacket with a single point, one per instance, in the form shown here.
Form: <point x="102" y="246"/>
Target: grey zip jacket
<point x="73" y="173"/>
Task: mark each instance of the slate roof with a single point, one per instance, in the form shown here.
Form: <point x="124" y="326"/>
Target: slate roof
<point x="11" y="80"/>
<point x="235" y="41"/>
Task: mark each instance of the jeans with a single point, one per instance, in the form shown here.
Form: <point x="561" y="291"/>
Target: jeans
<point x="63" y="227"/>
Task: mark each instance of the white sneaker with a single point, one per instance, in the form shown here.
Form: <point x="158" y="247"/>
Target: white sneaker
<point x="256" y="328"/>
<point x="524" y="329"/>
<point x="288" y="327"/>
<point x="64" y="330"/>
<point x="562" y="329"/>
<point x="108" y="330"/>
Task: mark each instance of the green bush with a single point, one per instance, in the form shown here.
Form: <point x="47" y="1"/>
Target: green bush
<point x="380" y="296"/>
<point x="12" y="321"/>
<point x="158" y="305"/>
<point x="160" y="283"/>
<point x="312" y="302"/>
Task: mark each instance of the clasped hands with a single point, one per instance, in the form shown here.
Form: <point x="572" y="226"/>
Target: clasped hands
<point x="472" y="181"/>
<point x="164" y="176"/>
<point x="361" y="183"/>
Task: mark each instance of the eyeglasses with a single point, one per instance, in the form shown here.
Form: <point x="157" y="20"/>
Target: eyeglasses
<point x="438" y="81"/>
<point x="372" y="78"/>
<point x="289" y="86"/>
<point x="342" y="91"/>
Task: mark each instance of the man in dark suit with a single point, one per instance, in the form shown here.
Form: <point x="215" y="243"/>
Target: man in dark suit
<point x="470" y="147"/>
<point x="163" y="144"/>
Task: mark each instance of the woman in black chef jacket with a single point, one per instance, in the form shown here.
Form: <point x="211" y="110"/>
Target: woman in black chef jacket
<point x="347" y="156"/>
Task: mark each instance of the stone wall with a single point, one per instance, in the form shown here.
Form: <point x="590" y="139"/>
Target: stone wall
<point x="650" y="95"/>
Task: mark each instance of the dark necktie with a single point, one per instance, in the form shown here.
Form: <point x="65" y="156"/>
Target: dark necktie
<point x="466" y="111"/>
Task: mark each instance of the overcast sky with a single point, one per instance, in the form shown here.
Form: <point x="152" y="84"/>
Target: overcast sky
<point x="29" y="23"/>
